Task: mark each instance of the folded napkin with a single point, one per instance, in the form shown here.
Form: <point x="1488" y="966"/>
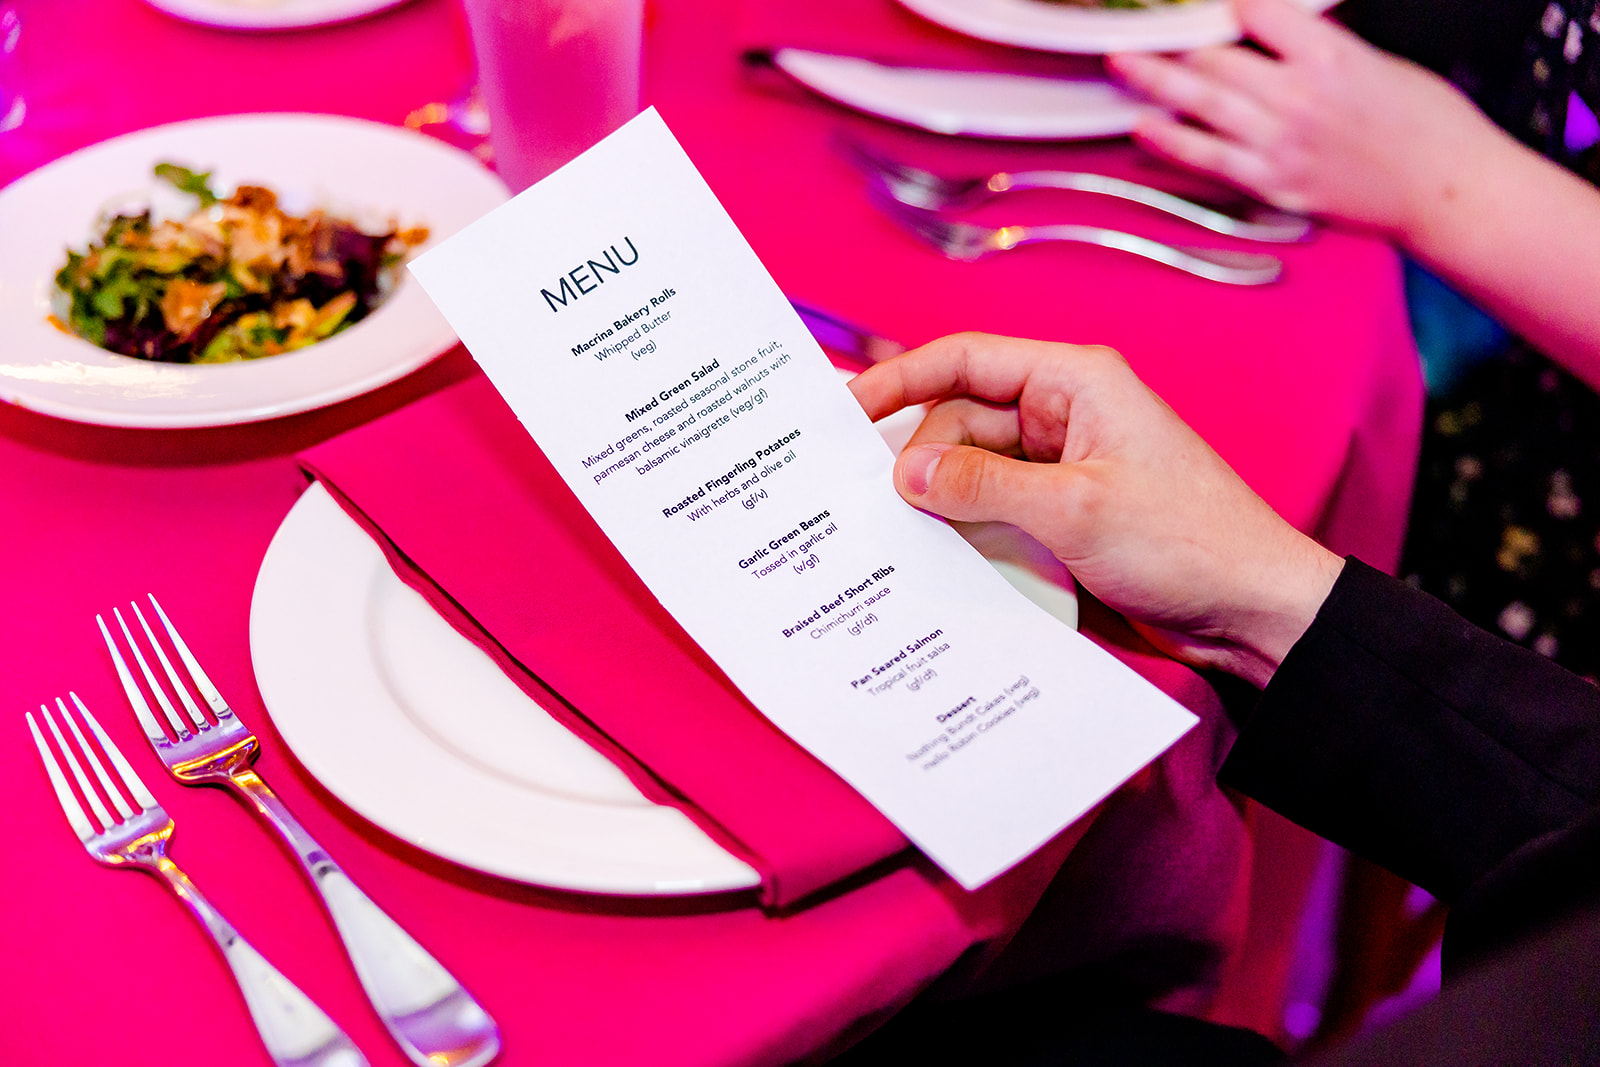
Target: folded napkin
<point x="472" y="515"/>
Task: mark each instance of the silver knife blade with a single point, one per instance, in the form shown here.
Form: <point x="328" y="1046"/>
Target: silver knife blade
<point x="844" y="337"/>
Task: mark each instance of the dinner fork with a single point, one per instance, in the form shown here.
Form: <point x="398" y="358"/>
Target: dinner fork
<point x="966" y="241"/>
<point x="428" y="1013"/>
<point x="295" y="1031"/>
<point x="936" y="192"/>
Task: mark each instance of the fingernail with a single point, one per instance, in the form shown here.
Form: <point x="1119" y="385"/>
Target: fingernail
<point x="919" y="467"/>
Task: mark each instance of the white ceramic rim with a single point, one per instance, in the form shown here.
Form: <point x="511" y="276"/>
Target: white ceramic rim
<point x="1053" y="27"/>
<point x="270" y="14"/>
<point x="371" y="170"/>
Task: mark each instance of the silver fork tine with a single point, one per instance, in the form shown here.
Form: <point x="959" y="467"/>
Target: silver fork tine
<point x="141" y="707"/>
<point x="135" y="784"/>
<point x="870" y="161"/>
<point x="924" y="224"/>
<point x="58" y="781"/>
<point x="201" y="682"/>
<point x="426" y="1009"/>
<point x="182" y="690"/>
<point x="294" y="1030"/>
<point x="180" y="728"/>
<point x="946" y="236"/>
<point x="113" y="794"/>
<point x="967" y="242"/>
<point x="100" y="812"/>
<point x="940" y="192"/>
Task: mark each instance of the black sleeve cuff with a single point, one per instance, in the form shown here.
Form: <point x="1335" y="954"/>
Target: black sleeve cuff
<point x="1403" y="733"/>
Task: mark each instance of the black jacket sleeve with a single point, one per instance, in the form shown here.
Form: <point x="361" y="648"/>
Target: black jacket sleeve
<point x="1459" y="761"/>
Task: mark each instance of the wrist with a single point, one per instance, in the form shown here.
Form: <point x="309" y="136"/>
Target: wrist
<point x="1283" y="601"/>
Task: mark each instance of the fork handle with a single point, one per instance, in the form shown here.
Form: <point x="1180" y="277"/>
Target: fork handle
<point x="426" y="1010"/>
<point x="294" y="1030"/>
<point x="1264" y="224"/>
<point x="1217" y="264"/>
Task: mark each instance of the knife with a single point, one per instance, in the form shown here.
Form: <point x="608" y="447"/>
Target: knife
<point x="844" y="337"/>
<point x="961" y="102"/>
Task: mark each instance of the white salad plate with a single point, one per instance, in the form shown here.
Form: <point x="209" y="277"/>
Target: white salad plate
<point x="373" y="174"/>
<point x="416" y="729"/>
<point x="1052" y="26"/>
<point x="966" y="103"/>
<point x="271" y="14"/>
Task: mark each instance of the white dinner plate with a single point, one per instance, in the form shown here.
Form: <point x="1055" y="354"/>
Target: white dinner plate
<point x="967" y="103"/>
<point x="366" y="171"/>
<point x="1060" y="27"/>
<point x="416" y="728"/>
<point x="271" y="14"/>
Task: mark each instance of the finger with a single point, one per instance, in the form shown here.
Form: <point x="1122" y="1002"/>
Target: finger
<point x="962" y="421"/>
<point x="1202" y="86"/>
<point x="995" y="368"/>
<point x="1287" y="28"/>
<point x="1259" y="81"/>
<point x="1144" y="71"/>
<point x="1205" y="151"/>
<point x="975" y="485"/>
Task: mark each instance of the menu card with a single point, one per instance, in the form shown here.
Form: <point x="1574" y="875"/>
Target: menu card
<point x="640" y="341"/>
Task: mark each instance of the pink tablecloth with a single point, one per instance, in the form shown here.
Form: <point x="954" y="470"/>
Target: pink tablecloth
<point x="1309" y="388"/>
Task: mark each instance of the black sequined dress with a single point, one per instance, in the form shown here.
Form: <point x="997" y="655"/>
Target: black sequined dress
<point x="1505" y="521"/>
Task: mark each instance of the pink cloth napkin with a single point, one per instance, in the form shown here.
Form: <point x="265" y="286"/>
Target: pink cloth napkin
<point x="471" y="513"/>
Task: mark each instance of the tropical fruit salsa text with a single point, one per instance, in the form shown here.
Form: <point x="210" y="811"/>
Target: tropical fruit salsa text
<point x="237" y="279"/>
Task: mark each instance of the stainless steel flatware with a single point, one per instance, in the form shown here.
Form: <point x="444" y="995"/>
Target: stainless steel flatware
<point x="935" y="192"/>
<point x="294" y="1030"/>
<point x="433" y="1019"/>
<point x="844" y="336"/>
<point x="967" y="242"/>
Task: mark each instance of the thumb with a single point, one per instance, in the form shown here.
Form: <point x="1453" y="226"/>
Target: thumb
<point x="974" y="484"/>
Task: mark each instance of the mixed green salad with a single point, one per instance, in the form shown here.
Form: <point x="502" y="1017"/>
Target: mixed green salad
<point x="236" y="279"/>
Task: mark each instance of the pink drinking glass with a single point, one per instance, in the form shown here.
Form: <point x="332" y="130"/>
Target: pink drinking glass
<point x="556" y="76"/>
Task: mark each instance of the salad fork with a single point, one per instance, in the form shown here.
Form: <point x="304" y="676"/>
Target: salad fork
<point x="428" y="1013"/>
<point x="936" y="192"/>
<point x="295" y="1031"/>
<point x="966" y="241"/>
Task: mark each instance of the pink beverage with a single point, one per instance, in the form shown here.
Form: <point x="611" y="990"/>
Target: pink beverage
<point x="556" y="76"/>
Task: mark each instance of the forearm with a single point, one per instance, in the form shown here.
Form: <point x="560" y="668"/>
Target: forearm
<point x="1520" y="236"/>
<point x="1321" y="122"/>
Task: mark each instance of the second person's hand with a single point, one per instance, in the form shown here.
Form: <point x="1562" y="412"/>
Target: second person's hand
<point x="1322" y="123"/>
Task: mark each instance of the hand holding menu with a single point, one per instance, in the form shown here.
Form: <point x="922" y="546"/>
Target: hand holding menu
<point x="640" y="341"/>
